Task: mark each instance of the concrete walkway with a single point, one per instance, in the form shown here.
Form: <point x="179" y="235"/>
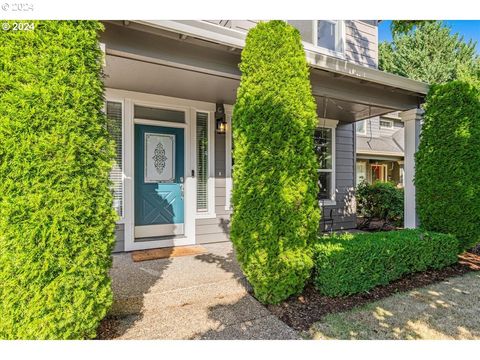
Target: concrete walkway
<point x="191" y="297"/>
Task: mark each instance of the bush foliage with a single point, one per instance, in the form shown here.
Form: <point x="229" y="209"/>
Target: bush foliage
<point x="351" y="263"/>
<point x="56" y="216"/>
<point x="448" y="162"/>
<point x="380" y="200"/>
<point x="276" y="214"/>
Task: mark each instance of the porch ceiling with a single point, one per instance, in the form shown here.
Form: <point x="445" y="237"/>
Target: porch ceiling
<point x="156" y="61"/>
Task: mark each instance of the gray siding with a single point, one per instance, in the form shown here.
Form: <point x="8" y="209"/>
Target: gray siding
<point x="361" y="40"/>
<point x="361" y="37"/>
<point x="344" y="210"/>
<point x="373" y="127"/>
<point x="397" y="124"/>
<point x="119" y="238"/>
<point x="216" y="229"/>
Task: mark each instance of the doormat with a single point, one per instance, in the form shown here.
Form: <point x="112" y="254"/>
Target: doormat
<point x="165" y="253"/>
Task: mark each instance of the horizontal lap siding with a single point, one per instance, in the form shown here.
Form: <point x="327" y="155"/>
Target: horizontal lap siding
<point x="344" y="210"/>
<point x="361" y="40"/>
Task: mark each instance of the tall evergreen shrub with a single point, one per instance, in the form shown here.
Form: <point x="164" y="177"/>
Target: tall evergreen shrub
<point x="276" y="213"/>
<point x="56" y="217"/>
<point x="448" y="162"/>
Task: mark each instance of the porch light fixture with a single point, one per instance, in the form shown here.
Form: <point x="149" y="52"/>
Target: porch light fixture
<point x="220" y="119"/>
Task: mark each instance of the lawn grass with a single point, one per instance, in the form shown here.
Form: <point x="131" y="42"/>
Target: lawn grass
<point x="446" y="310"/>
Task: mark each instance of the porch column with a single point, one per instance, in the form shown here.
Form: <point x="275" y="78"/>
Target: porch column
<point x="412" y="121"/>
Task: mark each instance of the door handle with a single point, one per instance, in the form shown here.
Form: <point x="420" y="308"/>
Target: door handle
<point x="193" y="173"/>
<point x="181" y="191"/>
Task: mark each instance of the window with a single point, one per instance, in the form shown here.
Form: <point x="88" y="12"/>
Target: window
<point x="379" y="172"/>
<point x="151" y="113"/>
<point x="361" y="127"/>
<point x="324" y="148"/>
<point x="202" y="161"/>
<point x="386" y="124"/>
<point x="114" y="125"/>
<point x="361" y="171"/>
<point x="330" y="35"/>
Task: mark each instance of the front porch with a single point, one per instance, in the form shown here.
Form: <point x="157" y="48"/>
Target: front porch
<point x="193" y="297"/>
<point x="154" y="73"/>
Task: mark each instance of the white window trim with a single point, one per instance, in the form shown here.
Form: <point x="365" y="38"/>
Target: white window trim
<point x="330" y="124"/>
<point x="386" y="120"/>
<point x="317" y="48"/>
<point x="210" y="213"/>
<point x="121" y="220"/>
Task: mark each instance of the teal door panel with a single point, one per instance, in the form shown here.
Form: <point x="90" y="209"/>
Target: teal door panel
<point x="159" y="175"/>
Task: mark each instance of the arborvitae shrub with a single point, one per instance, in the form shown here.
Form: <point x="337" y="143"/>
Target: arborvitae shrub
<point x="275" y="208"/>
<point x="56" y="217"/>
<point x="448" y="162"/>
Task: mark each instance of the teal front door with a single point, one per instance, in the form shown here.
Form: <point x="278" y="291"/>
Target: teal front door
<point x="159" y="181"/>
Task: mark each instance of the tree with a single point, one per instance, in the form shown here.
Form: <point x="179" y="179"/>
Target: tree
<point x="276" y="214"/>
<point x="405" y="26"/>
<point x="430" y="54"/>
<point x="447" y="162"/>
<point x="56" y="217"/>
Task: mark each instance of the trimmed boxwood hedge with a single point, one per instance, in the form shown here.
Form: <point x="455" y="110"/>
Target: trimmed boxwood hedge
<point x="56" y="216"/>
<point x="275" y="208"/>
<point x="346" y="264"/>
<point x="448" y="163"/>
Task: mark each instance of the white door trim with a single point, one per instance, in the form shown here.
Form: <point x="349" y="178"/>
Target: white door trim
<point x="131" y="98"/>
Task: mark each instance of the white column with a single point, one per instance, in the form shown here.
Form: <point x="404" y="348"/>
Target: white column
<point x="412" y="121"/>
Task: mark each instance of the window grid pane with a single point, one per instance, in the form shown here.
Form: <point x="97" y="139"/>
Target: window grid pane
<point x="151" y="113"/>
<point x="202" y="161"/>
<point x="386" y="124"/>
<point x="323" y="147"/>
<point x="329" y="35"/>
<point x="114" y="125"/>
<point x="324" y="151"/>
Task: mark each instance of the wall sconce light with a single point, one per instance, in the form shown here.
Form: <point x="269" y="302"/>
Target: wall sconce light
<point x="220" y="119"/>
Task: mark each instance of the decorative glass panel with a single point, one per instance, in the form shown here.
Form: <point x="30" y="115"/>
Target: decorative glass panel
<point x="151" y="113"/>
<point x="114" y="125"/>
<point x="202" y="161"/>
<point x="323" y="147"/>
<point x="159" y="157"/>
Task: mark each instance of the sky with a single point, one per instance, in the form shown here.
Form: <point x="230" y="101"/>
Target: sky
<point x="470" y="29"/>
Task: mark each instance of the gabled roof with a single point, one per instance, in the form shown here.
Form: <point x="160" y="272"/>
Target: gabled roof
<point x="382" y="146"/>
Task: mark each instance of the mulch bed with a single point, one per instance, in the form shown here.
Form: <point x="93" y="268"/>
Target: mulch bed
<point x="108" y="328"/>
<point x="300" y="312"/>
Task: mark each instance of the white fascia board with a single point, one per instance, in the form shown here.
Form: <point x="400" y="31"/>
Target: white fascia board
<point x="380" y="153"/>
<point x="236" y="39"/>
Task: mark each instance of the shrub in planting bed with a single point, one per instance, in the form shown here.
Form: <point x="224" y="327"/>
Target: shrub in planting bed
<point x="346" y="264"/>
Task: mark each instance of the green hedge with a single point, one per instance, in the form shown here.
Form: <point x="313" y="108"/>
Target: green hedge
<point x="448" y="162"/>
<point x="276" y="214"/>
<point x="56" y="216"/>
<point x="351" y="263"/>
<point x="380" y="200"/>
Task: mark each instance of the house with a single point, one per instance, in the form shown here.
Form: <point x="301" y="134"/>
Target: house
<point x="380" y="143"/>
<point x="170" y="90"/>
